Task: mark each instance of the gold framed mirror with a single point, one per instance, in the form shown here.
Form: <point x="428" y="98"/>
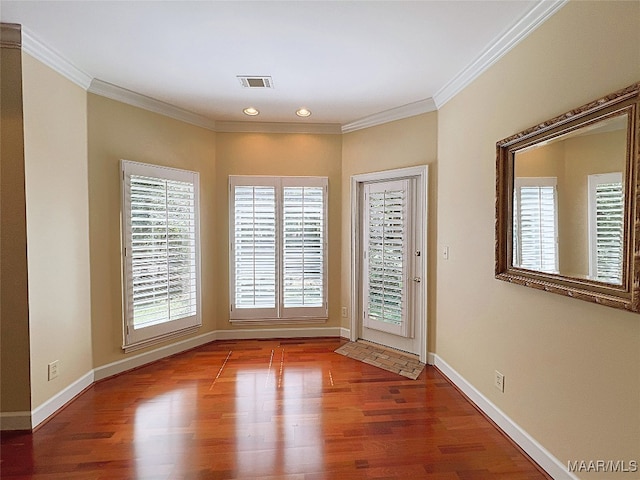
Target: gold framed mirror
<point x="567" y="211"/>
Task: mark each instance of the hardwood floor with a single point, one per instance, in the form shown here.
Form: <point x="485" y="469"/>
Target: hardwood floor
<point x="266" y="409"/>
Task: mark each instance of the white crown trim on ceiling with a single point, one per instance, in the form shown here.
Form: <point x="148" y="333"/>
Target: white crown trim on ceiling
<point x="499" y="47"/>
<point x="398" y="113"/>
<point x="277" y="127"/>
<point x="123" y="95"/>
<point x="53" y="59"/>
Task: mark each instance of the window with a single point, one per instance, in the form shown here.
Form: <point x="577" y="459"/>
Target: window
<point x="606" y="227"/>
<point x="161" y="248"/>
<point x="535" y="238"/>
<point x="278" y="238"/>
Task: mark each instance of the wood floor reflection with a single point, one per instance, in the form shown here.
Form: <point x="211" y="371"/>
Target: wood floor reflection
<point x="266" y="409"/>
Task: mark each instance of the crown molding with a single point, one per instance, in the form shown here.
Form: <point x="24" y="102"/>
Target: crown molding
<point x="53" y="59"/>
<point x="538" y="14"/>
<point x="398" y="113"/>
<point x="500" y="46"/>
<point x="10" y="35"/>
<point x="108" y="90"/>
<point x="278" y="127"/>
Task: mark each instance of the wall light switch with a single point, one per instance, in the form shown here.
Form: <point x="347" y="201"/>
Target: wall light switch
<point x="445" y="252"/>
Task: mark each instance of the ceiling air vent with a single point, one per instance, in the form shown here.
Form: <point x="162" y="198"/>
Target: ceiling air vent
<point x="255" y="81"/>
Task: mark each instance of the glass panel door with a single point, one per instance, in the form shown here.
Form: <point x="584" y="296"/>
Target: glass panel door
<point x="386" y="250"/>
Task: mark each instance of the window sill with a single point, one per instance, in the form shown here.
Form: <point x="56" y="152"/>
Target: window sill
<point x="277" y="321"/>
<point x="162" y="338"/>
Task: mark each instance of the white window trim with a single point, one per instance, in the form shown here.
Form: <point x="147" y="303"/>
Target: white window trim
<point x="278" y="315"/>
<point x="593" y="181"/>
<point x="134" y="339"/>
<point x="535" y="182"/>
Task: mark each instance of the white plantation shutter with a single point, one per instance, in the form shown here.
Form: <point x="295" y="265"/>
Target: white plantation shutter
<point x="606" y="225"/>
<point x="536" y="224"/>
<point x="255" y="248"/>
<point x="278" y="247"/>
<point x="386" y="249"/>
<point x="303" y="246"/>
<point x="161" y="247"/>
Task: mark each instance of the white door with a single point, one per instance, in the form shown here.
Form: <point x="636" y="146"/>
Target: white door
<point x="391" y="264"/>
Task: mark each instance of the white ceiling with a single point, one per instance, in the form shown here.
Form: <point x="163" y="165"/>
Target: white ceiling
<point x="346" y="61"/>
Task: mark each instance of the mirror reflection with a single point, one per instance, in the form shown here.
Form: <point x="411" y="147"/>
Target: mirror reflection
<point x="568" y="203"/>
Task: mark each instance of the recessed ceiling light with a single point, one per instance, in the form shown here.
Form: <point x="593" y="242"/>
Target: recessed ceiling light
<point x="303" y="112"/>
<point x="251" y="111"/>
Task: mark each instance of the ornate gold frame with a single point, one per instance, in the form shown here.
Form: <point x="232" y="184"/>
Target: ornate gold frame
<point x="624" y="296"/>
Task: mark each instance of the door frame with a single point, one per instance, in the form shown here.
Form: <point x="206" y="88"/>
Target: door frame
<point x="421" y="174"/>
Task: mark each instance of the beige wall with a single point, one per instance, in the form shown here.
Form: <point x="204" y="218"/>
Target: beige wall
<point x="403" y="143"/>
<point x="572" y="368"/>
<point x="277" y="154"/>
<point x="55" y="143"/>
<point x="15" y="393"/>
<point x="118" y="131"/>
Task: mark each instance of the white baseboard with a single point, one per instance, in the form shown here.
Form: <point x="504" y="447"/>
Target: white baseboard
<point x="234" y="334"/>
<point x="15" y="421"/>
<point x="293" y="332"/>
<point x="537" y="452"/>
<point x="431" y="358"/>
<point x="141" y="359"/>
<point x="345" y="333"/>
<point x="59" y="400"/>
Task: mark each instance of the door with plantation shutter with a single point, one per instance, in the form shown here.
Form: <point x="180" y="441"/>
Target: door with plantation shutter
<point x="388" y="263"/>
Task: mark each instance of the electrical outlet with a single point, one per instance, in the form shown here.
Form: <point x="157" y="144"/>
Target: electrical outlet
<point x="53" y="370"/>
<point x="344" y="312"/>
<point x="498" y="381"/>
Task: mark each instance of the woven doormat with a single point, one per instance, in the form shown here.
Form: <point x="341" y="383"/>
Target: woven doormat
<point x="393" y="361"/>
